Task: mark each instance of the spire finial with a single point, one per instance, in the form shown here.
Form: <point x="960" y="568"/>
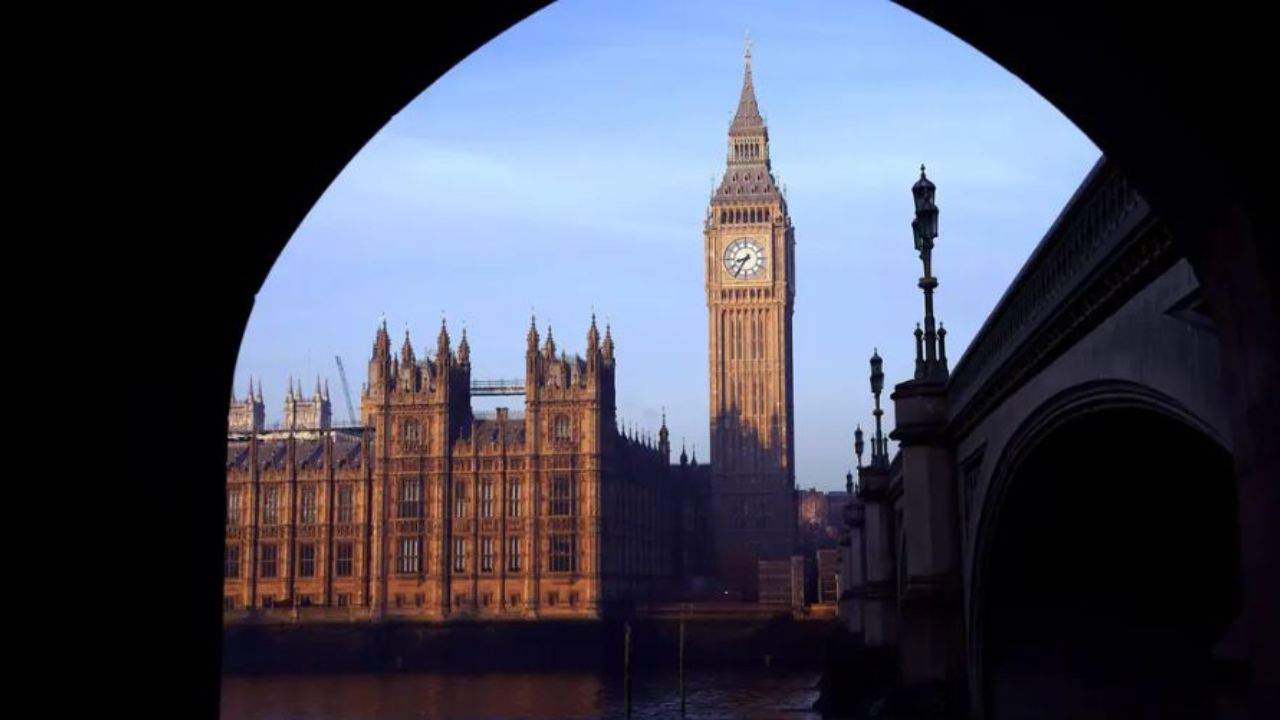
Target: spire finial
<point x="746" y="48"/>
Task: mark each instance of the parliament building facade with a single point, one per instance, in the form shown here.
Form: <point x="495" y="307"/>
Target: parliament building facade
<point x="429" y="510"/>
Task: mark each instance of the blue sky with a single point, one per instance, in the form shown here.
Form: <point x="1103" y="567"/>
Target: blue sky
<point x="567" y="165"/>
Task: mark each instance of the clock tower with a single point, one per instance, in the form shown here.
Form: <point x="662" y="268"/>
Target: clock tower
<point x="750" y="282"/>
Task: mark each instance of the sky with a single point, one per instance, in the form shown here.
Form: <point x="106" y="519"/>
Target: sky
<point x="566" y="167"/>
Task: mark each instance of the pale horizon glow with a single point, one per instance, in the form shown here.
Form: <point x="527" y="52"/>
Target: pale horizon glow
<point x="566" y="166"/>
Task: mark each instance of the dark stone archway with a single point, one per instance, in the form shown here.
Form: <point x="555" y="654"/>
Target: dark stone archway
<point x="1112" y="571"/>
<point x="259" y="115"/>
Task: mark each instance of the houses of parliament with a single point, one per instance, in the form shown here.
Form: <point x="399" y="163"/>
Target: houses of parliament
<point x="428" y="509"/>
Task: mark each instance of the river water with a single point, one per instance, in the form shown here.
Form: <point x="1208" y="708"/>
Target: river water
<point x="738" y="693"/>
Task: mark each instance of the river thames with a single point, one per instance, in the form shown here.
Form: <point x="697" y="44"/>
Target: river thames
<point x="732" y="693"/>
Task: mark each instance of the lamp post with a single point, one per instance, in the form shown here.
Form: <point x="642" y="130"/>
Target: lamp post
<point x="877" y="385"/>
<point x="858" y="445"/>
<point x="924" y="230"/>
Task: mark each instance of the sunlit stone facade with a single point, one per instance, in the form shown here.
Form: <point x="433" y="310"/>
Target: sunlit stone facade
<point x="428" y="510"/>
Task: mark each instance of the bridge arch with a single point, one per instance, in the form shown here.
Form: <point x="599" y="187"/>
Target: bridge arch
<point x="1106" y="557"/>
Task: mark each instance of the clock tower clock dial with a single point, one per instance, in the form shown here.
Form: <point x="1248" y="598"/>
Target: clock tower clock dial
<point x="750" y="283"/>
<point x="744" y="259"/>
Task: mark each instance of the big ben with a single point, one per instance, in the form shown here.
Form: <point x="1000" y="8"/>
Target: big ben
<point x="750" y="282"/>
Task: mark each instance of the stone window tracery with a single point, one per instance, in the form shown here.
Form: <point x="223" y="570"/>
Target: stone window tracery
<point x="459" y="554"/>
<point x="459" y="499"/>
<point x="346" y="504"/>
<point x="267" y="561"/>
<point x="513" y="497"/>
<point x="344" y="563"/>
<point x="306" y="560"/>
<point x="562" y="553"/>
<point x="563" y="501"/>
<point x="513" y="554"/>
<point x="562" y="429"/>
<point x="307" y="505"/>
<point x="486" y="554"/>
<point x="486" y="498"/>
<point x="412" y="433"/>
<point x="271" y="505"/>
<point x="409" y="560"/>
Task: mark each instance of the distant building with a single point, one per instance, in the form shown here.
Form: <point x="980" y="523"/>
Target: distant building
<point x="819" y="517"/>
<point x="429" y="510"/>
<point x="828" y="565"/>
<point x="782" y="581"/>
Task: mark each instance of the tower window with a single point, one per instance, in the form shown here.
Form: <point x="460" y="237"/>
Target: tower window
<point x="343" y="564"/>
<point x="307" y="505"/>
<point x="410" y="560"/>
<point x="459" y="555"/>
<point x="412" y="433"/>
<point x="513" y="554"/>
<point x="486" y="498"/>
<point x="513" y="498"/>
<point x="562" y="495"/>
<point x="233" y="505"/>
<point x="268" y="557"/>
<point x="411" y="498"/>
<point x="561" y="429"/>
<point x="459" y="499"/>
<point x="346" y="504"/>
<point x="486" y="554"/>
<point x="231" y="562"/>
<point x="271" y="505"/>
<point x="306" y="560"/>
<point x="562" y="551"/>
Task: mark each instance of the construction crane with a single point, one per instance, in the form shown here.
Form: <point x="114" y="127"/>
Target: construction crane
<point x="346" y="391"/>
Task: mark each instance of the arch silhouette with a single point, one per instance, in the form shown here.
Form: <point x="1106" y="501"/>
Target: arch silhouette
<point x="1067" y="407"/>
<point x="276" y="121"/>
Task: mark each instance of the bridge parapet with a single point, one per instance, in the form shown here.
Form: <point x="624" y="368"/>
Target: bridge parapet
<point x="1062" y="284"/>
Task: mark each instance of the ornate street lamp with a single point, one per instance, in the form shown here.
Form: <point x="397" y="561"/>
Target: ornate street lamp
<point x="858" y="445"/>
<point x="877" y="372"/>
<point x="924" y="229"/>
<point x="878" y="449"/>
<point x="926" y="223"/>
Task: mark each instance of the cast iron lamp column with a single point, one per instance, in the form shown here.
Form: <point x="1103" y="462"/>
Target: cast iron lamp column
<point x="931" y="364"/>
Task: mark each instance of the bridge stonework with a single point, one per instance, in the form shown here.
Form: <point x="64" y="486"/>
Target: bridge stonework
<point x="1104" y="314"/>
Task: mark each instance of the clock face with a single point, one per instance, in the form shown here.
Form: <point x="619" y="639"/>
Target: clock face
<point x="744" y="259"/>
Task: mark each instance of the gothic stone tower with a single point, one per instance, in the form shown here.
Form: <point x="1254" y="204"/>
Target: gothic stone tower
<point x="750" y="281"/>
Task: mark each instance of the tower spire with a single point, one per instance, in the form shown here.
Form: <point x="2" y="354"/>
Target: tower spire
<point x="593" y="336"/>
<point x="464" y="348"/>
<point x="747" y="119"/>
<point x="442" y="341"/>
<point x="607" y="348"/>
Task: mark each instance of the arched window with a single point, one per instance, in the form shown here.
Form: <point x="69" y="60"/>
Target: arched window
<point x="561" y="429"/>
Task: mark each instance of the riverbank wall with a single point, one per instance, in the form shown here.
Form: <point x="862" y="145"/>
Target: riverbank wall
<point x="554" y="645"/>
